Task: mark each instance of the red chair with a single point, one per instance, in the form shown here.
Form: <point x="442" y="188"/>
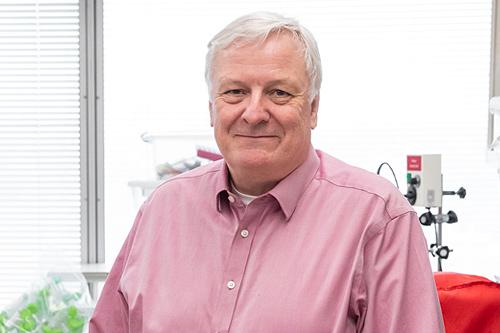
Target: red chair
<point x="470" y="304"/>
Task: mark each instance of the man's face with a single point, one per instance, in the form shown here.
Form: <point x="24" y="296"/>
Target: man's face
<point x="260" y="109"/>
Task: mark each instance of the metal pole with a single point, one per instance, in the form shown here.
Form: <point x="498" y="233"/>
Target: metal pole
<point x="439" y="233"/>
<point x="439" y="237"/>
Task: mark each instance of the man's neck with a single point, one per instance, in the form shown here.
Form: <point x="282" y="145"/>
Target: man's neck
<point x="246" y="198"/>
<point x="252" y="187"/>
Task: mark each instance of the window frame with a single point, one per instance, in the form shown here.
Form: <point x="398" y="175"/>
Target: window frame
<point x="91" y="132"/>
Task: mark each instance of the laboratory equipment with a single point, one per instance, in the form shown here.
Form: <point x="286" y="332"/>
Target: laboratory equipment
<point x="425" y="189"/>
<point x="424" y="180"/>
<point x="171" y="154"/>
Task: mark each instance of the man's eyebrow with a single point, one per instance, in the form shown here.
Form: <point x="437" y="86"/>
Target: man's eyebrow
<point x="282" y="82"/>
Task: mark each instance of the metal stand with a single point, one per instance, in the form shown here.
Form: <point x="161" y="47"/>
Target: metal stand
<point x="437" y="249"/>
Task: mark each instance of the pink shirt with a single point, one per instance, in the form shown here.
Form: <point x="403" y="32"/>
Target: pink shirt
<point x="331" y="248"/>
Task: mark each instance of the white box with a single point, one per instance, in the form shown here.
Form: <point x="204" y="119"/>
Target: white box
<point x="427" y="170"/>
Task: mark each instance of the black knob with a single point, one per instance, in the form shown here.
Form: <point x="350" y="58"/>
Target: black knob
<point x="461" y="192"/>
<point x="415" y="180"/>
<point x="427" y="218"/>
<point x="443" y="252"/>
<point x="452" y="217"/>
<point x="411" y="194"/>
<point x="432" y="249"/>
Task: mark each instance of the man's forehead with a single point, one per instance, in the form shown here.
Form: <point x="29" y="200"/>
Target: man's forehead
<point x="276" y="60"/>
<point x="233" y="80"/>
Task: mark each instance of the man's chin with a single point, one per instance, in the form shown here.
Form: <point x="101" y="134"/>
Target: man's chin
<point x="251" y="160"/>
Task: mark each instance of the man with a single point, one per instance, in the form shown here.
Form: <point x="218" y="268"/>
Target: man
<point x="277" y="237"/>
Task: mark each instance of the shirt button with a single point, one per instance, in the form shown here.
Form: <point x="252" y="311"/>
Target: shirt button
<point x="231" y="285"/>
<point x="244" y="233"/>
<point x="230" y="198"/>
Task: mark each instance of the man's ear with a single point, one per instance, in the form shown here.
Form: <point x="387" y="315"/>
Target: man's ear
<point x="211" y="110"/>
<point x="314" y="111"/>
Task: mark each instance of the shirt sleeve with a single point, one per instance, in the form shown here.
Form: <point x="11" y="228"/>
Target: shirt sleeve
<point x="397" y="285"/>
<point x="111" y="312"/>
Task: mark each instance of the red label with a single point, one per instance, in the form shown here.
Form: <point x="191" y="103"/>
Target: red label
<point x="414" y="163"/>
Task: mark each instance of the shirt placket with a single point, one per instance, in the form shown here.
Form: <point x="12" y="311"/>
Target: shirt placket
<point x="235" y="268"/>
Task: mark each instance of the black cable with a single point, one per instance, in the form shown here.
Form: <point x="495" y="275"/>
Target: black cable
<point x="380" y="167"/>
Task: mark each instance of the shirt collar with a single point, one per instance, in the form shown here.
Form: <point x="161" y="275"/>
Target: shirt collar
<point x="287" y="192"/>
<point x="290" y="189"/>
<point x="222" y="186"/>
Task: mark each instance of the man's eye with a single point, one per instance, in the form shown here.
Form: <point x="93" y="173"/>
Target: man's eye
<point x="233" y="96"/>
<point x="280" y="93"/>
<point x="234" y="92"/>
<point x="279" y="96"/>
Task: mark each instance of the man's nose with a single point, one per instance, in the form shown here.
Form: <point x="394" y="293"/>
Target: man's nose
<point x="256" y="111"/>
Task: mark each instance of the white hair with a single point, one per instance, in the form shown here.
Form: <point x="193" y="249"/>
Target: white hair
<point x="258" y="26"/>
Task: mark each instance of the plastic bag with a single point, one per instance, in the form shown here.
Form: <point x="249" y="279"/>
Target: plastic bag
<point x="60" y="303"/>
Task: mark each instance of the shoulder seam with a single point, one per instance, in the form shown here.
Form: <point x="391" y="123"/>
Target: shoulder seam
<point x="359" y="189"/>
<point x="385" y="223"/>
<point x="177" y="178"/>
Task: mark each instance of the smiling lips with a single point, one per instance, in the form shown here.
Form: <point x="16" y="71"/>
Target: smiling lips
<point x="246" y="136"/>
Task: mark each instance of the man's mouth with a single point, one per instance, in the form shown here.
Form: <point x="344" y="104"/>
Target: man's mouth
<point x="251" y="136"/>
